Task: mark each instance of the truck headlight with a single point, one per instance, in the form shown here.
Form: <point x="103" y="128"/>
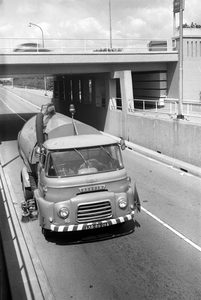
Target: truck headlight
<point x="123" y="203"/>
<point x="63" y="213"/>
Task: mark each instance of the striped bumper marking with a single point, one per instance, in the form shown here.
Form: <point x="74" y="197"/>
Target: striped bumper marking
<point x="110" y="222"/>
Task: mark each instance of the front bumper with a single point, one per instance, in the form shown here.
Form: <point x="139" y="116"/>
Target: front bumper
<point x="94" y="225"/>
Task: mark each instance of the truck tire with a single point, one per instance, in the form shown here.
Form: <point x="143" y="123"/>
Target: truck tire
<point x="27" y="192"/>
<point x="39" y="129"/>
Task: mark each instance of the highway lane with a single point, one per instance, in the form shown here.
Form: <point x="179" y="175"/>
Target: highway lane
<point x="13" y="114"/>
<point x="178" y="196"/>
<point x="151" y="262"/>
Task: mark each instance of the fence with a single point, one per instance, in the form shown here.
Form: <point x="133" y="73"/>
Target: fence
<point x="191" y="110"/>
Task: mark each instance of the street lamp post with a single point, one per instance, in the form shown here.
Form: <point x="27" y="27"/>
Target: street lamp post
<point x="41" y="32"/>
<point x="178" y="7"/>
<point x="180" y="107"/>
<point x="43" y="44"/>
<point x="110" y="16"/>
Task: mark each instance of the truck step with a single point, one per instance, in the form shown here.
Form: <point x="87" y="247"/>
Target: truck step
<point x="33" y="180"/>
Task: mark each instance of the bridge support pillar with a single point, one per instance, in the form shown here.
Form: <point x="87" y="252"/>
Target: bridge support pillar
<point x="126" y="88"/>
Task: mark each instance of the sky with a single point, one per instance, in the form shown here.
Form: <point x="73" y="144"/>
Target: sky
<point x="89" y="19"/>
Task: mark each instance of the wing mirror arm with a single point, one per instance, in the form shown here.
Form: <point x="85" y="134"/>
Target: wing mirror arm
<point x="39" y="151"/>
<point x="122" y="143"/>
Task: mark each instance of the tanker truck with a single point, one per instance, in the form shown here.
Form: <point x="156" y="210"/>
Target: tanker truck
<point x="73" y="176"/>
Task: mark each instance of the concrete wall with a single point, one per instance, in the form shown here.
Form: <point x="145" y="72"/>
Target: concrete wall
<point x="175" y="138"/>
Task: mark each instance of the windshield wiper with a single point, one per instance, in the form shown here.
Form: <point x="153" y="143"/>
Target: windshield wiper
<point x="80" y="154"/>
<point x="107" y="152"/>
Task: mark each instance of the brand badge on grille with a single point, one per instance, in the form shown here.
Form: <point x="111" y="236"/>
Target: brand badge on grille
<point x="92" y="188"/>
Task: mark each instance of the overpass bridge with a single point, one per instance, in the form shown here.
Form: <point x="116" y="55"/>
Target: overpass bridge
<point x="55" y="64"/>
<point x="88" y="70"/>
<point x="72" y="57"/>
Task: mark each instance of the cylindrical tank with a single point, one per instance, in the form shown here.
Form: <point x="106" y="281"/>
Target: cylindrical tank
<point x="47" y="127"/>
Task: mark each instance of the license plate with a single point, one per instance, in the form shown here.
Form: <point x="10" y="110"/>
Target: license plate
<point x="97" y="225"/>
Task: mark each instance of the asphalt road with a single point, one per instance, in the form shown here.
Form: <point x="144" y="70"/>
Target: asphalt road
<point x="142" y="260"/>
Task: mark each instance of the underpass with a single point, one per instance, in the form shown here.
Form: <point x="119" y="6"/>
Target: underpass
<point x="155" y="261"/>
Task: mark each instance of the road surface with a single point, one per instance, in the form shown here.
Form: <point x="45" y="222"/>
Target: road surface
<point x="157" y="257"/>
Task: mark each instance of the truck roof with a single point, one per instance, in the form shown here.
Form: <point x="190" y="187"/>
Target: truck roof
<point x="78" y="141"/>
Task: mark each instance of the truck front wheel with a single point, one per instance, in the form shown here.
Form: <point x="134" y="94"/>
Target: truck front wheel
<point x="28" y="194"/>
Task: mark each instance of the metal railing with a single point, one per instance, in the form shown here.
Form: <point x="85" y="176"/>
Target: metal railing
<point x="166" y="107"/>
<point x="116" y="103"/>
<point x="17" y="45"/>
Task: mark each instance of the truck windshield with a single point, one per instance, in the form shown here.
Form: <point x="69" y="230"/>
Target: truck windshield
<point x="74" y="162"/>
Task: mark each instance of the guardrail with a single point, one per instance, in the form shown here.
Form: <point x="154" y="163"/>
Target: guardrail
<point x="20" y="45"/>
<point x="116" y="103"/>
<point x="191" y="110"/>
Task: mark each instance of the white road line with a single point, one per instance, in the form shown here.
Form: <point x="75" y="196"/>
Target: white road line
<point x="36" y="106"/>
<point x="172" y="229"/>
<point x="12" y="110"/>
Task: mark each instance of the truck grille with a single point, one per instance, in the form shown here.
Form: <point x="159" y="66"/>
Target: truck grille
<point x="92" y="212"/>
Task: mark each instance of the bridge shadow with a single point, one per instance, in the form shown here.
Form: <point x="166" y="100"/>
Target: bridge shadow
<point x="11" y="124"/>
<point x="93" y="235"/>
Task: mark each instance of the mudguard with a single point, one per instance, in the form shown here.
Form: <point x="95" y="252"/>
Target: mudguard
<point x="137" y="203"/>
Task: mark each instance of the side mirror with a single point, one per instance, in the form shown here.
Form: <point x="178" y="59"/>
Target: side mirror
<point x="38" y="151"/>
<point x="122" y="144"/>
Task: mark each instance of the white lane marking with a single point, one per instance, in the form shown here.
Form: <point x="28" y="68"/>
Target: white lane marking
<point x="12" y="110"/>
<point x="36" y="106"/>
<point x="172" y="229"/>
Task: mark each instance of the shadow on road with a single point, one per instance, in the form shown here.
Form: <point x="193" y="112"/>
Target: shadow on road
<point x="94" y="235"/>
<point x="11" y="124"/>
